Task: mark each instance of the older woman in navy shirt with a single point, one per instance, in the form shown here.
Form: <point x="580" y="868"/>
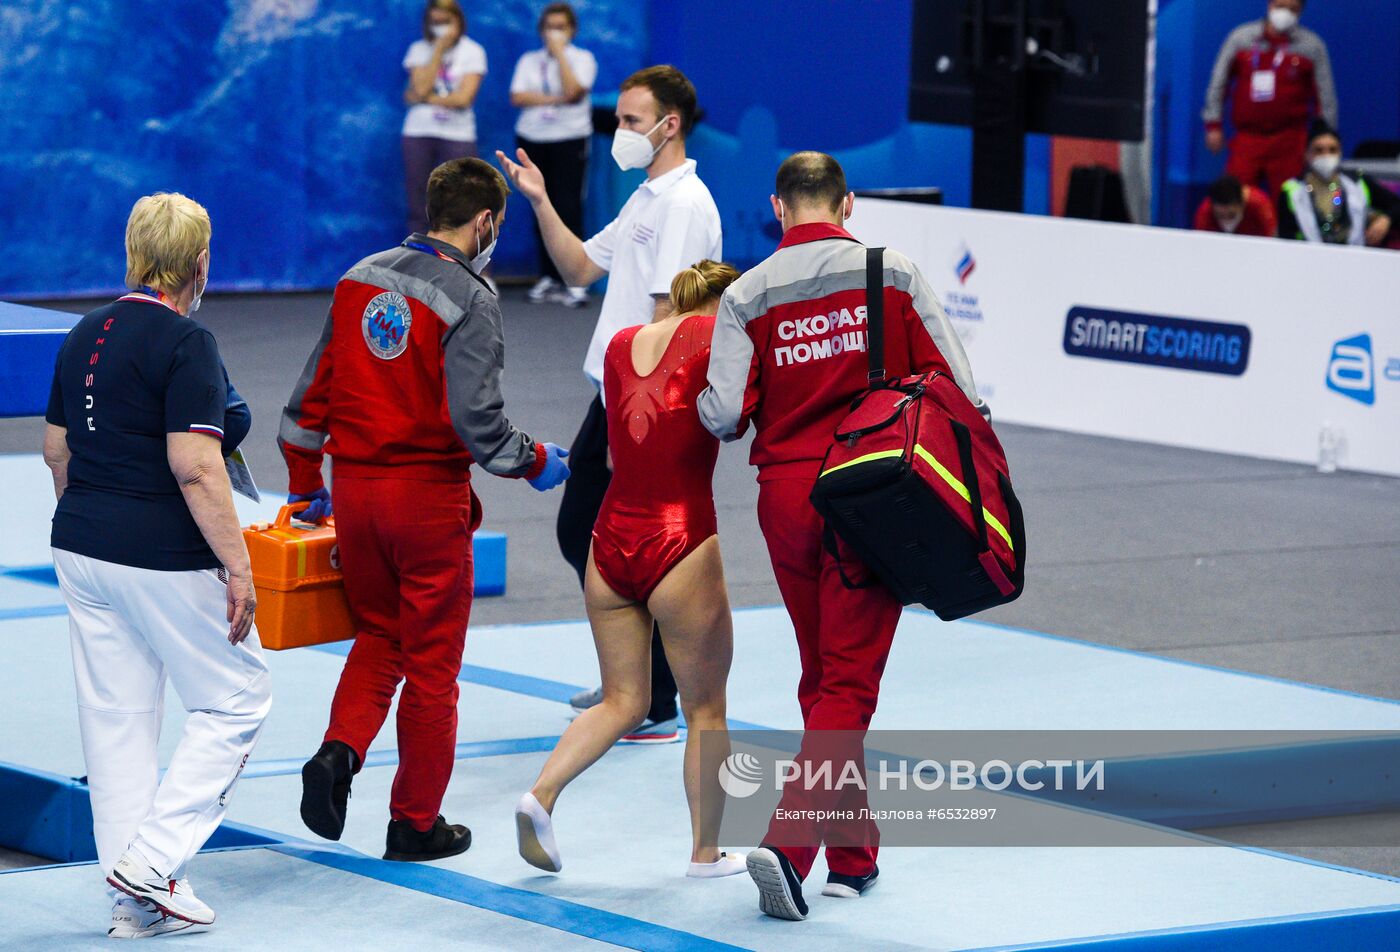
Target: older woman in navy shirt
<point x="151" y="560"/>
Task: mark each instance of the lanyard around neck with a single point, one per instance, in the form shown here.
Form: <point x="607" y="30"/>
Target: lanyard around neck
<point x="149" y="295"/>
<point x="430" y="250"/>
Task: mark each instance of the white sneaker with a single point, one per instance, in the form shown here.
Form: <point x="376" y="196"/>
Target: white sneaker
<point x="728" y="864"/>
<point x="134" y="919"/>
<point x="540" y="292"/>
<point x="534" y="835"/>
<point x="174" y="897"/>
<point x="574" y="297"/>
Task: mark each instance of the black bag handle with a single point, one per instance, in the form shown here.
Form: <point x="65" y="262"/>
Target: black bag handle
<point x="829" y="543"/>
<point x="969" y="474"/>
<point x="875" y="312"/>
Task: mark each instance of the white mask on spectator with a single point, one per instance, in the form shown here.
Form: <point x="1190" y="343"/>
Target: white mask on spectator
<point x="632" y="150"/>
<point x="1282" y="19"/>
<point x="1326" y="166"/>
<point x="483" y="255"/>
<point x="199" y="291"/>
<point x="1230" y="225"/>
<point x="556" y="36"/>
<point x="441" y="29"/>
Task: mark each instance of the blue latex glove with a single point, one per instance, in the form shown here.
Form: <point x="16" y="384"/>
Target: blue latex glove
<point x="555" y="469"/>
<point x="320" y="506"/>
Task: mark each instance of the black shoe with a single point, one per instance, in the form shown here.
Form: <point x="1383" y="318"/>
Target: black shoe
<point x="404" y="844"/>
<point x="325" y="788"/>
<point x="779" y="888"/>
<point x="849" y="887"/>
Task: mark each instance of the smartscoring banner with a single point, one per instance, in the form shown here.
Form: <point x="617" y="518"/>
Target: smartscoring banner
<point x="1254" y="346"/>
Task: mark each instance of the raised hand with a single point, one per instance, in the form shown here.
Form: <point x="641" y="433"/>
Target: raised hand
<point x="524" y="175"/>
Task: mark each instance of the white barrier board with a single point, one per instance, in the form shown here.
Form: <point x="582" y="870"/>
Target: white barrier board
<point x="1239" y="345"/>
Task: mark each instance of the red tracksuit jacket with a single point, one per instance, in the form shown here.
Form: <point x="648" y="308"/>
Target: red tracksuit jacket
<point x="1302" y="84"/>
<point x="405" y="381"/>
<point x="789" y="346"/>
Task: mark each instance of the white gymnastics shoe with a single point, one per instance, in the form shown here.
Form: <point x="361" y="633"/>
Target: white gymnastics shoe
<point x="534" y="834"/>
<point x="728" y="864"/>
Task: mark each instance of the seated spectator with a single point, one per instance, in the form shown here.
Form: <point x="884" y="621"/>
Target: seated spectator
<point x="1236" y="210"/>
<point x="1330" y="206"/>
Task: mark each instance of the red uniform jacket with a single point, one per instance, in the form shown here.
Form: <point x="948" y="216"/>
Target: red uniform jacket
<point x="1302" y="85"/>
<point x="405" y="380"/>
<point x="788" y="350"/>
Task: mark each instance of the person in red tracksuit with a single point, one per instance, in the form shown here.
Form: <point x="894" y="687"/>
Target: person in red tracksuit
<point x="788" y="354"/>
<point x="1278" y="77"/>
<point x="1235" y="209"/>
<point x="403" y="392"/>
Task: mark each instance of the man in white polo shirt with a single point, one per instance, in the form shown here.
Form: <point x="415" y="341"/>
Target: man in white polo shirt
<point x="668" y="224"/>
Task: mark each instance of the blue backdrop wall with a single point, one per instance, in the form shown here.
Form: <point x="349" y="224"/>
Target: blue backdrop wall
<point x="282" y="117"/>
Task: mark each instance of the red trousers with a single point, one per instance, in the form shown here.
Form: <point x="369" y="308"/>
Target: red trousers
<point x="843" y="637"/>
<point x="406" y="553"/>
<point x="1267" y="158"/>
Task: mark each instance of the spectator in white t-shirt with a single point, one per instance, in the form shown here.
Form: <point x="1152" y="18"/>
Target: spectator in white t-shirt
<point x="444" y="75"/>
<point x="550" y="88"/>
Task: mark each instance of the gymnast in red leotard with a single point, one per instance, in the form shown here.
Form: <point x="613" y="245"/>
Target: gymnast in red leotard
<point x="655" y="556"/>
<point x="659" y="507"/>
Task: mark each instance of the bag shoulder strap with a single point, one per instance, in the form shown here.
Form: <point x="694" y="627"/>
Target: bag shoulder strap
<point x="875" y="312"/>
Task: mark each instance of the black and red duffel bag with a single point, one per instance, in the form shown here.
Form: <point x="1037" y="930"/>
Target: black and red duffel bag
<point x="917" y="485"/>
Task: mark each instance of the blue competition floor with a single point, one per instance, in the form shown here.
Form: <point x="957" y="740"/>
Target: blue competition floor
<point x="623" y="828"/>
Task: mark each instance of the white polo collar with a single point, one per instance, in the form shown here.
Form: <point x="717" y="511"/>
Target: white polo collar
<point x="662" y="182"/>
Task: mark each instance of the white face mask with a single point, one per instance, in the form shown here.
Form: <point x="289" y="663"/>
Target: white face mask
<point x="1282" y="19"/>
<point x="440" y="30"/>
<point x="483" y="255"/>
<point x="1326" y="165"/>
<point x="199" y="291"/>
<point x="1230" y="225"/>
<point x="632" y="150"/>
<point x="556" y="36"/>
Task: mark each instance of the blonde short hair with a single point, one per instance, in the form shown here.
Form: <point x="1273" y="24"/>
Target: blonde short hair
<point x="164" y="236"/>
<point x="699" y="283"/>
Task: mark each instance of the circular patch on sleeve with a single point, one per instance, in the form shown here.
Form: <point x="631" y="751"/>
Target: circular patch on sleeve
<point x="385" y="325"/>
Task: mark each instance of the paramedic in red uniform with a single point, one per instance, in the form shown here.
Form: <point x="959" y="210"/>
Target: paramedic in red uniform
<point x="788" y="354"/>
<point x="1278" y="78"/>
<point x="403" y="391"/>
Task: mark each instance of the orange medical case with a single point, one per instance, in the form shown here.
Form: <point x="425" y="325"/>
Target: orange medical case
<point x="296" y="570"/>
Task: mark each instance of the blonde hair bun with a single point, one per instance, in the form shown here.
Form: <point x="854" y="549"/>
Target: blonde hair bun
<point x="699" y="283"/>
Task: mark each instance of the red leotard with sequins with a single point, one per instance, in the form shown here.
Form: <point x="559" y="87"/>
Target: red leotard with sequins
<point x="659" y="506"/>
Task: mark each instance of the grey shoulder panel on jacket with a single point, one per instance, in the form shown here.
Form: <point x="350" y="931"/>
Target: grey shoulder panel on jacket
<point x="448" y="288"/>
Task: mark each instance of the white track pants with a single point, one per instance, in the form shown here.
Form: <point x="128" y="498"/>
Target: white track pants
<point x="131" y="628"/>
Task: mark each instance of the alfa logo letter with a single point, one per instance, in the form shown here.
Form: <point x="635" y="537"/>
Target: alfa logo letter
<point x="1351" y="372"/>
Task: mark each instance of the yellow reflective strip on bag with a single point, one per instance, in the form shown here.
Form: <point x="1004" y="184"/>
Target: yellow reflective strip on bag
<point x="961" y="490"/>
<point x="885" y="454"/>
